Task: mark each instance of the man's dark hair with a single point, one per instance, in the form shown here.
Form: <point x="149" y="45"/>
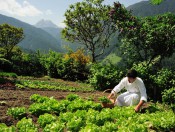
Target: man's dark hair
<point x="132" y="73"/>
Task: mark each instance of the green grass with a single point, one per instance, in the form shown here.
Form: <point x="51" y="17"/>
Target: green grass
<point x="112" y="58"/>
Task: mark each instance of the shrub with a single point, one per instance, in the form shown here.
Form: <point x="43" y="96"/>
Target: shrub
<point x="5" y="65"/>
<point x="28" y="64"/>
<point x="163" y="79"/>
<point x="104" y="76"/>
<point x="168" y="96"/>
<point x="75" y="65"/>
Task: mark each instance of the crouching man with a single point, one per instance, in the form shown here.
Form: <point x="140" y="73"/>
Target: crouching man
<point x="135" y="94"/>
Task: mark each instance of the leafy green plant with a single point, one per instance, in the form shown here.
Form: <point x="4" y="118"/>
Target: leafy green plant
<point x="26" y="125"/>
<point x="54" y="127"/>
<point x="104" y="99"/>
<point x="81" y="115"/>
<point x="72" y="97"/>
<point x="45" y="119"/>
<point x="5" y="128"/>
<point x="17" y="112"/>
<point x="51" y="85"/>
<point x="38" y="98"/>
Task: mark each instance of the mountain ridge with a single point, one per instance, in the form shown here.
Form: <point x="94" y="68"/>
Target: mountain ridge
<point x="35" y="38"/>
<point x="145" y="8"/>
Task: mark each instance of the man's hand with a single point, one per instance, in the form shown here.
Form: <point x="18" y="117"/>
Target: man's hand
<point x="137" y="108"/>
<point x="110" y="98"/>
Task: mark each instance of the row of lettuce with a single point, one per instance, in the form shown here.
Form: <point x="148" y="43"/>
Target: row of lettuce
<point x="78" y="114"/>
<point x="44" y="83"/>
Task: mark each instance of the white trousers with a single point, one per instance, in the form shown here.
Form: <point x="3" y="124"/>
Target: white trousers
<point x="127" y="99"/>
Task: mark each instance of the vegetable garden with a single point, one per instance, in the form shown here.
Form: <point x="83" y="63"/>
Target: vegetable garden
<point x="75" y="113"/>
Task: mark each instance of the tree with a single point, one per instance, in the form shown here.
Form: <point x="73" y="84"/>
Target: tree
<point x="89" y="24"/>
<point x="145" y="39"/>
<point x="10" y="36"/>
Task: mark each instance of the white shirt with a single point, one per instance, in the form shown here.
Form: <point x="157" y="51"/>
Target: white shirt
<point x="136" y="87"/>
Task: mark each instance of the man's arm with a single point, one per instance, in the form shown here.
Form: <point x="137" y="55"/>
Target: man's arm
<point x="137" y="108"/>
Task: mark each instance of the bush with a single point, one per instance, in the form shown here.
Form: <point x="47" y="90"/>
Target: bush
<point x="75" y="66"/>
<point x="28" y="65"/>
<point x="5" y="65"/>
<point x="104" y="76"/>
<point x="168" y="96"/>
<point x="156" y="80"/>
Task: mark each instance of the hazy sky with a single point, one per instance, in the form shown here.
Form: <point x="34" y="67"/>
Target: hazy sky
<point x="31" y="11"/>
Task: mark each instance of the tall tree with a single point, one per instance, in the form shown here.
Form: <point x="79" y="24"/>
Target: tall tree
<point x="10" y="36"/>
<point x="145" y="39"/>
<point x="89" y="24"/>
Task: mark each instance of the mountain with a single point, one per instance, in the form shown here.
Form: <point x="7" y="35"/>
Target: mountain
<point x="35" y="38"/>
<point x="145" y="8"/>
<point x="55" y="32"/>
<point x="45" y="23"/>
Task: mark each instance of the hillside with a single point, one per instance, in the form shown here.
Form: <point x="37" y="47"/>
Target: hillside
<point x="35" y="38"/>
<point x="55" y="31"/>
<point x="145" y="8"/>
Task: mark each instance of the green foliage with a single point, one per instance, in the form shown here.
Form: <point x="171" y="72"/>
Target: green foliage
<point x="5" y="128"/>
<point x="164" y="79"/>
<point x="82" y="115"/>
<point x="156" y="2"/>
<point x="76" y="65"/>
<point x="51" y="85"/>
<point x="155" y="80"/>
<point x="144" y="39"/>
<point x="17" y="112"/>
<point x="112" y="58"/>
<point x="8" y="74"/>
<point x="104" y="76"/>
<point x="72" y="97"/>
<point x="38" y="98"/>
<point x="88" y="23"/>
<point x="168" y="96"/>
<point x="54" y="127"/>
<point x="10" y="36"/>
<point x="50" y="61"/>
<point x="45" y="119"/>
<point x="26" y="125"/>
<point x="104" y="99"/>
<point x="67" y="67"/>
<point x="5" y="65"/>
<point x="28" y="64"/>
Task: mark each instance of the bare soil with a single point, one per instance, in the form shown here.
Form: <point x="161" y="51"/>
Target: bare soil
<point x="10" y="96"/>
